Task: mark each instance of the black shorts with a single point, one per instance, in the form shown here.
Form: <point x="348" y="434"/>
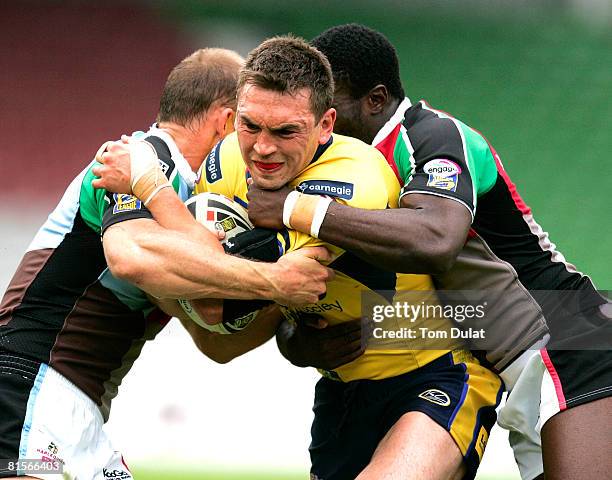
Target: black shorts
<point x="578" y="376"/>
<point x="17" y="376"/>
<point x="352" y="418"/>
<point x="578" y="358"/>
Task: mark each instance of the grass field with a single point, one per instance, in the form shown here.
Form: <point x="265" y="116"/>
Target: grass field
<point x="149" y="474"/>
<point x="213" y="475"/>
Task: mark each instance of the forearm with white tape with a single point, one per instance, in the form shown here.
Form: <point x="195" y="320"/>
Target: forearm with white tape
<point x="305" y="213"/>
<point x="147" y="177"/>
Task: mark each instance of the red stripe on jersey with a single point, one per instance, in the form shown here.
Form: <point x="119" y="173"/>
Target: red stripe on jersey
<point x="555" y="378"/>
<point x="210" y="216"/>
<point x="387" y="147"/>
<point x="125" y="464"/>
<point x="518" y="201"/>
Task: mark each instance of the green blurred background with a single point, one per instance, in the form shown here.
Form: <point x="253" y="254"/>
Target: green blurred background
<point x="535" y="77"/>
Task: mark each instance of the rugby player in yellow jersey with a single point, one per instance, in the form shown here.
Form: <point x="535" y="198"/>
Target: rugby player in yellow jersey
<point x="390" y="413"/>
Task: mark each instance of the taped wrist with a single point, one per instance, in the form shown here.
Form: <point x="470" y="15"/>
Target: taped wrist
<point x="147" y="177"/>
<point x="305" y="213"/>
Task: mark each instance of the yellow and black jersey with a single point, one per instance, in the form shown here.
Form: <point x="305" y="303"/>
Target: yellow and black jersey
<point x="355" y="174"/>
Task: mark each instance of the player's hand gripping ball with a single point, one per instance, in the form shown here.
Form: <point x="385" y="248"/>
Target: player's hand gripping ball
<point x="217" y="212"/>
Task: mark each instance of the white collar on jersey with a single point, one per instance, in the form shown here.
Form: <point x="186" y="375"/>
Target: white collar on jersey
<point x="180" y="163"/>
<point x="398" y="117"/>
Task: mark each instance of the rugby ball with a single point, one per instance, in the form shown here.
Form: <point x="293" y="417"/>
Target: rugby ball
<point x="217" y="212"/>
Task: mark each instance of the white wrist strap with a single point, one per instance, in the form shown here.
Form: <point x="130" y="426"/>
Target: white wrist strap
<point x="288" y="207"/>
<point x="143" y="157"/>
<point x="319" y="216"/>
<point x="155" y="192"/>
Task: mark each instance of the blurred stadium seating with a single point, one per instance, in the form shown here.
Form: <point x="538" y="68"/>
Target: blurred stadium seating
<point x="73" y="76"/>
<point x="534" y="78"/>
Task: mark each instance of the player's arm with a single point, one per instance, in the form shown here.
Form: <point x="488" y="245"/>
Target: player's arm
<point x="174" y="256"/>
<point x="166" y="263"/>
<point x="423" y="236"/>
<point x="224" y="348"/>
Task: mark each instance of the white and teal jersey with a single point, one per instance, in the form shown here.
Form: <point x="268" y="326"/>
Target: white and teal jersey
<point x="63" y="307"/>
<point x="101" y="209"/>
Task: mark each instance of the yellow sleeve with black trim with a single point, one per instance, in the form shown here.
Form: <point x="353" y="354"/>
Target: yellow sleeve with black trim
<point x="351" y="172"/>
<point x="223" y="171"/>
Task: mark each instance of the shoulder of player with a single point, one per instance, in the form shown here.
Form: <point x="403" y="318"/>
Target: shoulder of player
<point x="164" y="154"/>
<point x="222" y="163"/>
<point x="349" y="145"/>
<point x="351" y="171"/>
<point x="354" y="153"/>
<point x="430" y="129"/>
<point x="350" y="160"/>
<point x="433" y="130"/>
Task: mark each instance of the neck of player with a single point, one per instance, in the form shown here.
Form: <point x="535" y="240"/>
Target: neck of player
<point x="194" y="141"/>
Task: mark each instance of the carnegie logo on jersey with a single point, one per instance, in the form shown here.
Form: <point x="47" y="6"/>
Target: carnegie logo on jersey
<point x="327" y="187"/>
<point x="442" y="174"/>
<point x="125" y="203"/>
<point x="213" y="165"/>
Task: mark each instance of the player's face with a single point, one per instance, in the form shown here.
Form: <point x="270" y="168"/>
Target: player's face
<point x="278" y="134"/>
<point x="350" y="119"/>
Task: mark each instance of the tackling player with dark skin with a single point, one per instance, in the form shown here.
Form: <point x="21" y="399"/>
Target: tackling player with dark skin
<point x="438" y="228"/>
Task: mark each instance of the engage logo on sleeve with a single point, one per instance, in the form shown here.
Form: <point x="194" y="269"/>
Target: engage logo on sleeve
<point x="442" y="174"/>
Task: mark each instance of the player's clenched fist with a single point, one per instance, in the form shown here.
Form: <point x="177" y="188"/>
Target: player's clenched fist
<point x="114" y="169"/>
<point x="129" y="166"/>
<point x="312" y="343"/>
<point x="266" y="206"/>
<point x="301" y="279"/>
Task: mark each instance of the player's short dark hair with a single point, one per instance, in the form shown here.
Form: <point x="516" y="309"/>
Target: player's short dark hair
<point x="287" y="64"/>
<point x="361" y="58"/>
<point x="206" y="77"/>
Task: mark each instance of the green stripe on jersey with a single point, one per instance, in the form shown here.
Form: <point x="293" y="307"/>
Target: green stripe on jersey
<point x="92" y="201"/>
<point x="481" y="163"/>
<point x="403" y="157"/>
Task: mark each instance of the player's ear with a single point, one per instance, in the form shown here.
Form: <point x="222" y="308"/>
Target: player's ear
<point x="376" y="99"/>
<point x="327" y="125"/>
<point x="225" y="121"/>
